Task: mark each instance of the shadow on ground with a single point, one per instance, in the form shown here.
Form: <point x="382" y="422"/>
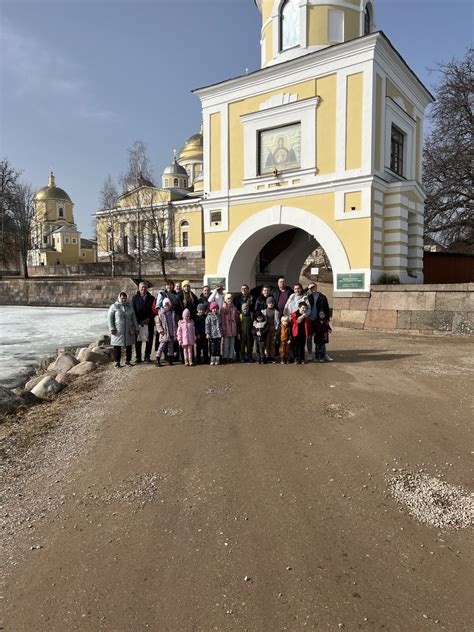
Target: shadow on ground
<point x="351" y="356"/>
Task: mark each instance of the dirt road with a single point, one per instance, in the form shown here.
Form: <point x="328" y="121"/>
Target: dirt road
<point x="245" y="497"/>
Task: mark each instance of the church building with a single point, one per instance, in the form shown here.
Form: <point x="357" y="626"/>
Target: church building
<point x="323" y="143"/>
<point x="320" y="147"/>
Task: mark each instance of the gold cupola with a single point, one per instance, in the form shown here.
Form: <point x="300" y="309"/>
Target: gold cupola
<point x="292" y="28"/>
<point x="191" y="156"/>
<point x="52" y="192"/>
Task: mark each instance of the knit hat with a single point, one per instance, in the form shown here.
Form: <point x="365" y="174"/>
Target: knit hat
<point x="213" y="305"/>
<point x="258" y="314"/>
<point x="201" y="306"/>
<point x="270" y="299"/>
<point x="186" y="313"/>
<point x="167" y="302"/>
<point x="227" y="296"/>
<point x="185" y="282"/>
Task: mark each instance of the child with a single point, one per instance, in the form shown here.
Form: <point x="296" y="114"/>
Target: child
<point x="300" y="330"/>
<point x="260" y="331"/>
<point x="165" y="322"/>
<point x="283" y="339"/>
<point x="321" y="335"/>
<point x="186" y="335"/>
<point x="214" y="333"/>
<point x="245" y="333"/>
<point x="229" y="315"/>
<point x="202" y="346"/>
<point x="272" y="316"/>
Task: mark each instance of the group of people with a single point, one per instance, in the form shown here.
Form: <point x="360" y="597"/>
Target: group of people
<point x="281" y="323"/>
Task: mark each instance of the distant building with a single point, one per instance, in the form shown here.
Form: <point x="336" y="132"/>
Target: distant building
<point x="55" y="237"/>
<point x="146" y="215"/>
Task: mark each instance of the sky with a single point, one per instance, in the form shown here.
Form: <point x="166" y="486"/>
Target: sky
<point x="81" y="80"/>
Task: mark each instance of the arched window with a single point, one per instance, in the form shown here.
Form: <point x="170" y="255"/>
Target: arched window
<point x="185" y="239"/>
<point x="175" y="182"/>
<point x="289" y="24"/>
<point x="61" y="212"/>
<point x="184" y="223"/>
<point x="368" y="22"/>
<point x="167" y="182"/>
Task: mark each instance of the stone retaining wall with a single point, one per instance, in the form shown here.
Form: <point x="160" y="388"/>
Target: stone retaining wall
<point x="93" y="292"/>
<point x="174" y="267"/>
<point x="426" y="309"/>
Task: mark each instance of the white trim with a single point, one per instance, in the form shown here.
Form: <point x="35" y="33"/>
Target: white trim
<point x="365" y="211"/>
<point x="253" y="233"/>
<point x="339" y="3"/>
<point x="396" y="116"/>
<point x="183" y="249"/>
<point x="341" y="117"/>
<point x="303" y="112"/>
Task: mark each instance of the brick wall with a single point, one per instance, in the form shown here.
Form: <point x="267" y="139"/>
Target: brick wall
<point x="428" y="309"/>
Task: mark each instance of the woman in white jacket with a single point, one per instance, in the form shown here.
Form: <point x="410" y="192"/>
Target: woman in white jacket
<point x="123" y="325"/>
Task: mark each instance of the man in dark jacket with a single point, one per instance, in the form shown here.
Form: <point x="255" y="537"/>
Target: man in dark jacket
<point x="143" y="306"/>
<point x="317" y="302"/>
<point x="281" y="294"/>
<point x="244" y="297"/>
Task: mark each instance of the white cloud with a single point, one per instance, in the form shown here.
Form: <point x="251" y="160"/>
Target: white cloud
<point x="30" y="69"/>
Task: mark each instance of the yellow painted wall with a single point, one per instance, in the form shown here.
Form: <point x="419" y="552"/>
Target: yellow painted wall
<point x="326" y="88"/>
<point x="378" y="122"/>
<point x="194" y="229"/>
<point x="318" y="24"/>
<point x="393" y="92"/>
<point x="355" y="234"/>
<point x="89" y="256"/>
<point x="352" y="199"/>
<point x="215" y="158"/>
<point x="355" y="96"/>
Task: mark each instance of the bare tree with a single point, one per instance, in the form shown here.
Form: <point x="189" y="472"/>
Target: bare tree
<point x="22" y="212"/>
<point x="108" y="199"/>
<point x="159" y="217"/>
<point x="447" y="158"/>
<point x="9" y="177"/>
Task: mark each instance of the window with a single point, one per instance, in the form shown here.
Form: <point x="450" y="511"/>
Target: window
<point x="185" y="184"/>
<point x="280" y="149"/>
<point x="396" y="151"/>
<point x="216" y="217"/>
<point x="45" y="239"/>
<point x="368" y="19"/>
<point x="185" y="239"/>
<point x="336" y="25"/>
<point x="153" y="240"/>
<point x="167" y="182"/>
<point x="135" y="242"/>
<point x="175" y="182"/>
<point x="73" y="240"/>
<point x="66" y="240"/>
<point x="61" y="212"/>
<point x="184" y="223"/>
<point x="289" y="24"/>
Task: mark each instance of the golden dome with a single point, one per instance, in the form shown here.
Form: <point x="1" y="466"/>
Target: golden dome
<point x="193" y="148"/>
<point x="52" y="192"/>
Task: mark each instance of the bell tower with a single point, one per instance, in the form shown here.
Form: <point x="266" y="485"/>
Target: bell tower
<point x="292" y="28"/>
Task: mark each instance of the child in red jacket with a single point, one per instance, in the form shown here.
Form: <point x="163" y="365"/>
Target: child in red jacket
<point x="300" y="330"/>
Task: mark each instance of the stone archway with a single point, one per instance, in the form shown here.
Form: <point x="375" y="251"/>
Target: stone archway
<point x="237" y="260"/>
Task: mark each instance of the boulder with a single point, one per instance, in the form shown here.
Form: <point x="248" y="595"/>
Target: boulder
<point x="87" y="355"/>
<point x="9" y="402"/>
<point x="82" y="368"/>
<point x="29" y="399"/>
<point x="103" y="341"/>
<point x="102" y="350"/>
<point x="48" y="388"/>
<point x="80" y="353"/>
<point x="33" y="382"/>
<point x="64" y="378"/>
<point x="64" y="362"/>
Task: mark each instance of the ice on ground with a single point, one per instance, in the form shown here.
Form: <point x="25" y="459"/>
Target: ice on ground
<point x="28" y="334"/>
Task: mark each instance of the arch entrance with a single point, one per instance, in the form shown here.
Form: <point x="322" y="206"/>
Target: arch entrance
<point x="239" y="256"/>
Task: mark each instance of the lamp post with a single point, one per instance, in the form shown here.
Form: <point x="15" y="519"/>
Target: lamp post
<point x="111" y="234"/>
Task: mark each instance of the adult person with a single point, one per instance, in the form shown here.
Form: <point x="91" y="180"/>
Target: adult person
<point x="261" y="302"/>
<point x="205" y="296"/>
<point x="186" y="300"/>
<point x="122" y="325"/>
<point x="317" y="302"/>
<point x="217" y="295"/>
<point x="167" y="292"/>
<point x="143" y="307"/>
<point x="281" y="294"/>
<point x="295" y="299"/>
<point x="244" y="297"/>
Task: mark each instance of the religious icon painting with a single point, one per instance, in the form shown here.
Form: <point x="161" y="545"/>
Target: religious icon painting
<point x="280" y="148"/>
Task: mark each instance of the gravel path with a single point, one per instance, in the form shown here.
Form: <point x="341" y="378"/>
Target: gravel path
<point x="259" y="498"/>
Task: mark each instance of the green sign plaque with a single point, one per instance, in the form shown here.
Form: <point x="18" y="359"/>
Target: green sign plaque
<point x="351" y="281"/>
<point x="213" y="281"/>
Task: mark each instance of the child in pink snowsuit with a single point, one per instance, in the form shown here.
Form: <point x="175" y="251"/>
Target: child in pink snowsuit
<point x="187" y="337"/>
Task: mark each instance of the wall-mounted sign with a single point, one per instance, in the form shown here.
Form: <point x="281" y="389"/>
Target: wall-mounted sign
<point x="351" y="281"/>
<point x="314" y="271"/>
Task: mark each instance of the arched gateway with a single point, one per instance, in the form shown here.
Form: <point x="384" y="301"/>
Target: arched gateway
<point x="237" y="261"/>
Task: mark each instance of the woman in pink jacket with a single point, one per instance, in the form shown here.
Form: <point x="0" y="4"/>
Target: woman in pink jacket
<point x="187" y="337"/>
<point x="229" y="316"/>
